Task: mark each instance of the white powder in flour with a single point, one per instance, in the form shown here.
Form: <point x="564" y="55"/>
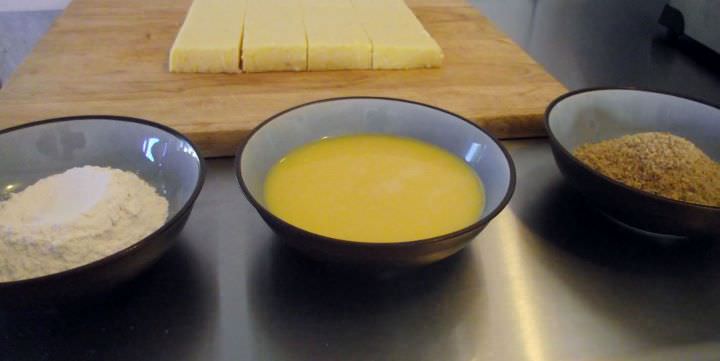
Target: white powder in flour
<point x="73" y="218"/>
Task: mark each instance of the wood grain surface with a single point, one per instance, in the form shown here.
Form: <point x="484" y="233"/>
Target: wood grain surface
<point x="110" y="57"/>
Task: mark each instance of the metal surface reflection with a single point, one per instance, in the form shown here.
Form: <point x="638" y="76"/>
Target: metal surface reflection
<point x="549" y="279"/>
<point x="165" y="315"/>
<point x="303" y="310"/>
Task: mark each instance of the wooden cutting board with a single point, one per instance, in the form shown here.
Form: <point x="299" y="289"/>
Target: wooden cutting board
<point x="110" y="57"/>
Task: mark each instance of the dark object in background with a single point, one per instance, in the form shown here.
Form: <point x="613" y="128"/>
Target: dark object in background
<point x="695" y="19"/>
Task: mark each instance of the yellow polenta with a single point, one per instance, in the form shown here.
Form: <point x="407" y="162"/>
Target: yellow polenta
<point x="374" y="188"/>
<point x="210" y="40"/>
<point x="298" y="35"/>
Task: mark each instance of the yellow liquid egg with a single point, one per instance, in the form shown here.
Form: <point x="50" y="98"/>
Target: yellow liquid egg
<point x="374" y="188"/>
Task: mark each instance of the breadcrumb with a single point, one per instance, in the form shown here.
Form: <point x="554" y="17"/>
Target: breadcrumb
<point x="659" y="163"/>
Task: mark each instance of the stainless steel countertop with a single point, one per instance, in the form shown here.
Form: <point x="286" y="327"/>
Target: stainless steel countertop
<point x="549" y="278"/>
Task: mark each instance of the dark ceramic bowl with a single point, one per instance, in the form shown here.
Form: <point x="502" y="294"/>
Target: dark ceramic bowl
<point x="274" y="138"/>
<point x="159" y="155"/>
<point x="593" y="115"/>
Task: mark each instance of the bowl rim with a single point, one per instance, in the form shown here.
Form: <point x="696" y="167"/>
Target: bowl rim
<point x="182" y="212"/>
<point x="478" y="225"/>
<point x="567" y="153"/>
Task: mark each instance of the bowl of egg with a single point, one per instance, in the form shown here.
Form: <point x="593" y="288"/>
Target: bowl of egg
<point x="87" y="202"/>
<point x="374" y="181"/>
<point x="646" y="159"/>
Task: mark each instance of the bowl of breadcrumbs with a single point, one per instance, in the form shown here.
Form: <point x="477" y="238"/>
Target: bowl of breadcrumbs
<point x="650" y="160"/>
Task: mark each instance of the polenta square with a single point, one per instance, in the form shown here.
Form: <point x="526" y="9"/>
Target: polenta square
<point x="209" y="40"/>
<point x="335" y="38"/>
<point x="398" y="38"/>
<point x="274" y="36"/>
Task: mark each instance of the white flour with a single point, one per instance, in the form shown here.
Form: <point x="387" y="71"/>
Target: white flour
<point x="73" y="218"/>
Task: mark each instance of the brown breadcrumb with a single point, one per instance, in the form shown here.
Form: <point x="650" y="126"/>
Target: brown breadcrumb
<point x="659" y="163"/>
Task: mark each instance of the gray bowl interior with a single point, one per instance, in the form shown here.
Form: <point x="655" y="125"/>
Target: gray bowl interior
<point x="598" y="115"/>
<point x="159" y="157"/>
<point x="365" y="115"/>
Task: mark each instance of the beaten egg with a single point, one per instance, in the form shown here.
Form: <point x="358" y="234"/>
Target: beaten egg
<point x="374" y="188"/>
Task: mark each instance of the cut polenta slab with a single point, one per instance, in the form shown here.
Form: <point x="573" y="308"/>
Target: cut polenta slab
<point x="274" y="36"/>
<point x="399" y="40"/>
<point x="296" y="35"/>
<point x="335" y="38"/>
<point x="209" y="40"/>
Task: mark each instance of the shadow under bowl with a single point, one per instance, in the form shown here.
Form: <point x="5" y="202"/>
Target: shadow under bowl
<point x="157" y="154"/>
<point x="594" y="115"/>
<point x="280" y="134"/>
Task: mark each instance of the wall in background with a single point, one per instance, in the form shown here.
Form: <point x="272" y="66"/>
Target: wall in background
<point x="32" y="5"/>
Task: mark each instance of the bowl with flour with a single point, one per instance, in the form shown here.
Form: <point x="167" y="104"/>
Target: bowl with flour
<point x="87" y="202"/>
